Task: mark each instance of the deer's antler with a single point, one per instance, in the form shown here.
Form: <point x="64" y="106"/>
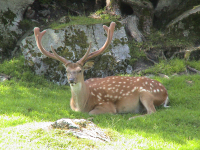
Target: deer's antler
<point x="54" y="55"/>
<point x="110" y="31"/>
<point x="87" y="56"/>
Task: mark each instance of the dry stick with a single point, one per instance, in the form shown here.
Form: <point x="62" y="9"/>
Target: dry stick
<point x="150" y="59"/>
<point x="193" y="70"/>
<point x="175" y="54"/>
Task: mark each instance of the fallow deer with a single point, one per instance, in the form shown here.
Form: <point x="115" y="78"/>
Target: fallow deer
<point x="113" y="94"/>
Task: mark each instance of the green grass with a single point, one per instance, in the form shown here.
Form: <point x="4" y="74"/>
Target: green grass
<point x="27" y="99"/>
<point x="167" y="67"/>
<point x="81" y="20"/>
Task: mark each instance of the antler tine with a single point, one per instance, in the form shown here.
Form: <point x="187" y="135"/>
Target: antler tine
<point x="82" y="60"/>
<point x="38" y="38"/>
<point x="110" y="31"/>
<point x="61" y="59"/>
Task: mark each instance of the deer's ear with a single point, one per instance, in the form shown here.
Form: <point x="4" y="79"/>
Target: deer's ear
<point x="88" y="65"/>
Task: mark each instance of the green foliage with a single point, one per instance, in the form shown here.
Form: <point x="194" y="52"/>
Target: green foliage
<point x="83" y="20"/>
<point x="136" y="51"/>
<point x="104" y="15"/>
<point x="26" y="24"/>
<point x="167" y="67"/>
<point x="28" y="99"/>
<point x="158" y="39"/>
<point x="7" y="17"/>
<point x="194" y="64"/>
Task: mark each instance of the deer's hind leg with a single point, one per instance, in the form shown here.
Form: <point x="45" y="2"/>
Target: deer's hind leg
<point x="103" y="108"/>
<point x="147" y="99"/>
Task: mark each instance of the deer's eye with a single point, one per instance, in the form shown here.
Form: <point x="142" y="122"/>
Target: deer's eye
<point x="79" y="71"/>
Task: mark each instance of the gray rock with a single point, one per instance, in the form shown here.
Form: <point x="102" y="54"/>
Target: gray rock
<point x="44" y="13"/>
<point x="131" y="24"/>
<point x="81" y="128"/>
<point x="185" y="24"/>
<point x="65" y="124"/>
<point x="11" y="14"/>
<point x="4" y="77"/>
<point x="72" y="43"/>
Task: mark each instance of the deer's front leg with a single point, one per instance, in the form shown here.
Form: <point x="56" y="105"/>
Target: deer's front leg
<point x="72" y="105"/>
<point x="103" y="108"/>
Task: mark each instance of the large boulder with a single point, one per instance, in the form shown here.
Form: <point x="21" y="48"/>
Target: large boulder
<point x="167" y="11"/>
<point x="186" y="24"/>
<point x="72" y="43"/>
<point x="11" y="15"/>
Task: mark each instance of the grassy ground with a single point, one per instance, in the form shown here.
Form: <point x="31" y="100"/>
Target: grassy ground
<point x="27" y="101"/>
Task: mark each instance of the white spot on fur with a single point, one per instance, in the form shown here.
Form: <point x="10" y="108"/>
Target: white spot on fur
<point x="109" y="88"/>
<point x="143" y="90"/>
<point x="99" y="97"/>
<point x="151" y="84"/>
<point x="133" y="90"/>
<point x="92" y="94"/>
<point x="158" y="90"/>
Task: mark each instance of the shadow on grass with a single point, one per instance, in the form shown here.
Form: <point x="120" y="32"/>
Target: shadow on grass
<point x="24" y="102"/>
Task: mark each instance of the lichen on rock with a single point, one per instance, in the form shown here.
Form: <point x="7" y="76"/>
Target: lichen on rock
<point x="71" y="43"/>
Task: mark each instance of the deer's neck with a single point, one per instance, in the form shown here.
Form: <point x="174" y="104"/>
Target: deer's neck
<point x="80" y="95"/>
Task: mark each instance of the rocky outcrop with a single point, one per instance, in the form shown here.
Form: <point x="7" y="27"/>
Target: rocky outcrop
<point x="4" y="77"/>
<point x="186" y="24"/>
<point x="81" y="128"/>
<point x="167" y="11"/>
<point x="11" y="14"/>
<point x="72" y="43"/>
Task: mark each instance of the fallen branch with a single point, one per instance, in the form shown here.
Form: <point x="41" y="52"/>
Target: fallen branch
<point x="193" y="70"/>
<point x="175" y="54"/>
<point x="150" y="59"/>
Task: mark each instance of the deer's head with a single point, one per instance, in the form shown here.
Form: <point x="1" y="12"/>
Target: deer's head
<point x="75" y="70"/>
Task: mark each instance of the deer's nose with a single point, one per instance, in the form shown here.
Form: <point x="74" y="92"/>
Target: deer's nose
<point x="71" y="80"/>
